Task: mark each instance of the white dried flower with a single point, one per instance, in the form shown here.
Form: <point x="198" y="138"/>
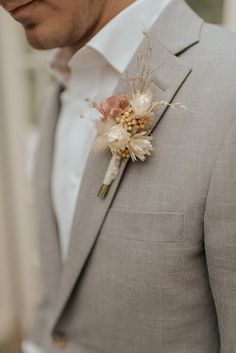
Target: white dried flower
<point x="117" y="138"/>
<point x="142" y="104"/>
<point x="140" y="146"/>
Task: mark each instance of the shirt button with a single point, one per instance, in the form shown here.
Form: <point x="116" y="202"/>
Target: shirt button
<point x="60" y="339"/>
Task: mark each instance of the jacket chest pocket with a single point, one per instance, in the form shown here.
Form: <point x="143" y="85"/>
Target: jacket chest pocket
<point x="163" y="227"/>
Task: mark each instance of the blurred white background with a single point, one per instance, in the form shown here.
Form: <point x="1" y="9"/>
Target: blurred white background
<point x="23" y="80"/>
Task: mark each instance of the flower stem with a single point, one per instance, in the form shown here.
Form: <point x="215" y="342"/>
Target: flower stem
<point x="103" y="191"/>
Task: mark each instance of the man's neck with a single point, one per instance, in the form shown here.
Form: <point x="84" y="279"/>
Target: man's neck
<point x="111" y="9"/>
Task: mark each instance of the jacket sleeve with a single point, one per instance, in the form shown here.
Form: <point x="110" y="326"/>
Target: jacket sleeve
<point x="220" y="239"/>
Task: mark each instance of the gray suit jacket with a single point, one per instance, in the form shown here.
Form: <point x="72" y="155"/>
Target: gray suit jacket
<point x="152" y="268"/>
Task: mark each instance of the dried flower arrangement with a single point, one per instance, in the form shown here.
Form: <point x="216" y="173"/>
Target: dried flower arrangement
<point x="124" y="126"/>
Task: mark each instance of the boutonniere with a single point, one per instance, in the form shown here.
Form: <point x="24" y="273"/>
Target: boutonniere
<point x="124" y="129"/>
<point x="125" y="120"/>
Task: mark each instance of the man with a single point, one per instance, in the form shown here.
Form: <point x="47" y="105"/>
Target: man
<point x="151" y="268"/>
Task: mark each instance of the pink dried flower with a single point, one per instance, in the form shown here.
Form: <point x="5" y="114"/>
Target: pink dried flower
<point x="113" y="106"/>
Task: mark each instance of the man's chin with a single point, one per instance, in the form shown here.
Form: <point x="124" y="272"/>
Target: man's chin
<point x="35" y="42"/>
<point x="38" y="40"/>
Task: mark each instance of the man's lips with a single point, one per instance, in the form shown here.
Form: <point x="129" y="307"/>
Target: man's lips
<point x="16" y="7"/>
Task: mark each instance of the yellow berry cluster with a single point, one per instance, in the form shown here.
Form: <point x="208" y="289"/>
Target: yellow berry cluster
<point x="123" y="154"/>
<point x="131" y="123"/>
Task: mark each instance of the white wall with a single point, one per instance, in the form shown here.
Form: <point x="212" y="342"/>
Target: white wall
<point x="18" y="274"/>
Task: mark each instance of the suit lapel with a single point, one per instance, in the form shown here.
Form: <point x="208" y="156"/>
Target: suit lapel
<point x="90" y="210"/>
<point x="51" y="265"/>
<point x="178" y="28"/>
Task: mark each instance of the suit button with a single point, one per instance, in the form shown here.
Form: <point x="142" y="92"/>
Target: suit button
<point x="60" y="339"/>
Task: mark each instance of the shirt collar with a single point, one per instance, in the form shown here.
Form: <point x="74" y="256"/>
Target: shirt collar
<point x="116" y="42"/>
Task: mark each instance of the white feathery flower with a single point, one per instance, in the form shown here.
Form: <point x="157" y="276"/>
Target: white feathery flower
<point x="140" y="146"/>
<point x="103" y="126"/>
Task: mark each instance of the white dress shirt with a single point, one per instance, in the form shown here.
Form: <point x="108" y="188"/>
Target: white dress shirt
<point x="93" y="72"/>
